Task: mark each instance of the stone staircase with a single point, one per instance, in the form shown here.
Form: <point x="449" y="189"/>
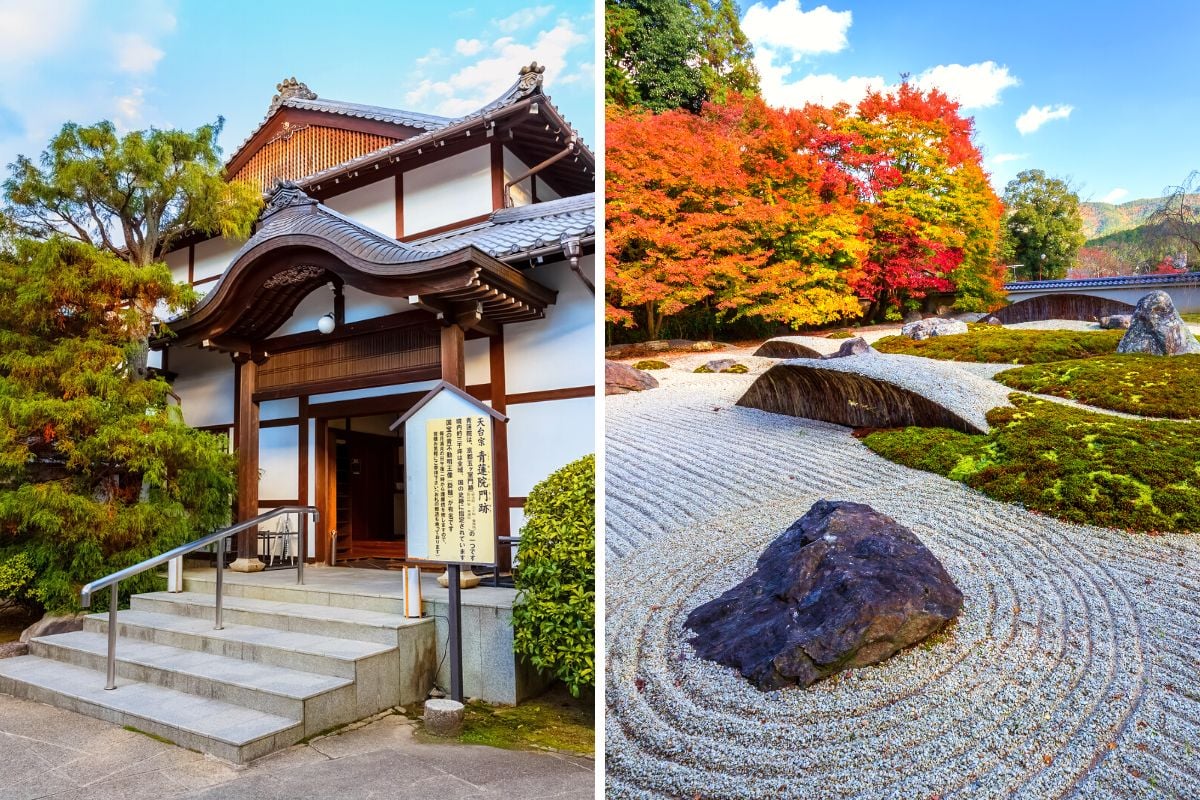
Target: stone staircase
<point x="277" y="673"/>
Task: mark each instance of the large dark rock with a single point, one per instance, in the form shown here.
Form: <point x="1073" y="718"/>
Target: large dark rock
<point x="1116" y="322"/>
<point x="1157" y="328"/>
<point x="622" y="378"/>
<point x="843" y="587"/>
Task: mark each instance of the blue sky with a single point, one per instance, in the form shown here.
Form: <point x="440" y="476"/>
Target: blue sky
<point x="1105" y="91"/>
<point x="162" y="63"/>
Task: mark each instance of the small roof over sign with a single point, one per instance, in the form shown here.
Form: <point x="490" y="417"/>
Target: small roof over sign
<point x="443" y="386"/>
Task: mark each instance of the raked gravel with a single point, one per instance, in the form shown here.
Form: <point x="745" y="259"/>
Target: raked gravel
<point x="1071" y="673"/>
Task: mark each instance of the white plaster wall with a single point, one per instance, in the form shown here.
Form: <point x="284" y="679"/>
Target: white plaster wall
<point x="213" y="256"/>
<point x="559" y="351"/>
<point x="360" y="305"/>
<point x="477" y="360"/>
<point x="374" y="205"/>
<point x="447" y="191"/>
<point x="205" y="385"/>
<point x="177" y="261"/>
<point x="279" y="463"/>
<point x="521" y="193"/>
<point x="377" y="391"/>
<point x="545" y="436"/>
<point x="544" y="192"/>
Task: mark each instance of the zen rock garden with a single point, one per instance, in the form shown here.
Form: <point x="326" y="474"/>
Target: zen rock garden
<point x="987" y="591"/>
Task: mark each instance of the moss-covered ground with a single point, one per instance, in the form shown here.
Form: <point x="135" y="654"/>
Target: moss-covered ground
<point x="996" y="345"/>
<point x="554" y="720"/>
<point x="1076" y="465"/>
<point x="1152" y="386"/>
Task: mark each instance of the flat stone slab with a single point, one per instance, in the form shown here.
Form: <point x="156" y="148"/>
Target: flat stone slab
<point x="878" y="390"/>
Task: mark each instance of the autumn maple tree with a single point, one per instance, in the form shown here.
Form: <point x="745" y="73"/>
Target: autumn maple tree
<point x="735" y="207"/>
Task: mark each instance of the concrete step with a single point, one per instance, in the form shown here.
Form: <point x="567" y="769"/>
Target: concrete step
<point x="322" y="620"/>
<point x="386" y="596"/>
<point x="226" y="730"/>
<point x="414" y="639"/>
<point x="325" y="655"/>
<point x="321" y="701"/>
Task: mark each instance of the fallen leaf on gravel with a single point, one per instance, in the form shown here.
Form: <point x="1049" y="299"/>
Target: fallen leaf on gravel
<point x="1048" y="760"/>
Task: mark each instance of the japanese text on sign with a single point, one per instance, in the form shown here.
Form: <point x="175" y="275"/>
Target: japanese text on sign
<point x="461" y="502"/>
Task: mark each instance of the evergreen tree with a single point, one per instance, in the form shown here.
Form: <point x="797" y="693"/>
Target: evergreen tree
<point x="1042" y="229"/>
<point x="97" y="468"/>
<point x="667" y="54"/>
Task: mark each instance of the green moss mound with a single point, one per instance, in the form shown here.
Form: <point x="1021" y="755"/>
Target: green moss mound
<point x="995" y="345"/>
<point x="651" y="363"/>
<point x="840" y="335"/>
<point x="554" y="625"/>
<point x="1072" y="464"/>
<point x="739" y="369"/>
<point x="1136" y="383"/>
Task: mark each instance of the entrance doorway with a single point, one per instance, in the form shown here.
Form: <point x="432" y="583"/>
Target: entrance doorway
<point x="366" y="491"/>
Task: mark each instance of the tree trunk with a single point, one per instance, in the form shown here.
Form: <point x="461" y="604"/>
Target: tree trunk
<point x="653" y="321"/>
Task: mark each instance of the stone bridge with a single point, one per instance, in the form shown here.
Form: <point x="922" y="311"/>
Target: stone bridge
<point x="1089" y="298"/>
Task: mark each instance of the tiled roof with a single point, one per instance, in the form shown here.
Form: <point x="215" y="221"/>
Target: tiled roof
<point x="411" y="119"/>
<point x="518" y="231"/>
<point x="1177" y="279"/>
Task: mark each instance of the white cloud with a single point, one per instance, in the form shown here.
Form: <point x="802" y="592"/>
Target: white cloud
<point x="29" y="31"/>
<point x="129" y="109"/>
<point x="973" y="85"/>
<point x="135" y="54"/>
<point x="478" y="83"/>
<point x="1037" y="116"/>
<point x="1004" y="158"/>
<point x="468" y="47"/>
<point x="522" y="19"/>
<point x="1115" y="196"/>
<point x="785" y="27"/>
<point x="825" y="89"/>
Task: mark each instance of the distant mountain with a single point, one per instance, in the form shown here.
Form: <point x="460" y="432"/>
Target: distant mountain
<point x="1101" y="219"/>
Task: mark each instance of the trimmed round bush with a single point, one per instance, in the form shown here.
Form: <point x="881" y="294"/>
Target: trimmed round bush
<point x="554" y="619"/>
<point x="651" y="363"/>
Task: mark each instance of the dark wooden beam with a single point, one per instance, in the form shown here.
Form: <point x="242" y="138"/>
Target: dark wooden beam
<point x="454" y="366"/>
<point x="247" y="453"/>
<point x="500" y="447"/>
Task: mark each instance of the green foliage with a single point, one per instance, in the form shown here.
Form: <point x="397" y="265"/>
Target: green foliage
<point x="1136" y="383"/>
<point x="1042" y="229"/>
<point x="666" y="54"/>
<point x="554" y="721"/>
<point x="651" y="363"/>
<point x="97" y="468"/>
<point x="996" y="345"/>
<point x="737" y="369"/>
<point x="554" y="618"/>
<point x="132" y="195"/>
<point x="1076" y="465"/>
<point x="840" y="335"/>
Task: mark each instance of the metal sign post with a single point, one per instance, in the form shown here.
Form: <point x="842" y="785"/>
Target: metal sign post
<point x="448" y="440"/>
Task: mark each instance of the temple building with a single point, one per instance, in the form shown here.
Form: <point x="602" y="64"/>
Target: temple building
<point x="396" y="249"/>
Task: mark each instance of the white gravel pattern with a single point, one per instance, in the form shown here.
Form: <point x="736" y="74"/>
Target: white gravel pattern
<point x="1073" y="671"/>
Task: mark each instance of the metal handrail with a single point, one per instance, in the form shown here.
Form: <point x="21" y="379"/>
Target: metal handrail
<point x="216" y="537"/>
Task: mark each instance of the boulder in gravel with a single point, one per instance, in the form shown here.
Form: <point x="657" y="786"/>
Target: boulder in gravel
<point x="1157" y="328"/>
<point x="1116" y="322"/>
<point x="48" y="626"/>
<point x="13" y="649"/>
<point x="621" y="379"/>
<point x="934" y="326"/>
<point x="852" y="347"/>
<point x="722" y="365"/>
<point x="991" y="319"/>
<point x="913" y="316"/>
<point x="843" y="587"/>
<point x="705" y="346"/>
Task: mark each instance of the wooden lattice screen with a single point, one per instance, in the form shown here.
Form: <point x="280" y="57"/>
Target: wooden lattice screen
<point x="304" y="150"/>
<point x="375" y="359"/>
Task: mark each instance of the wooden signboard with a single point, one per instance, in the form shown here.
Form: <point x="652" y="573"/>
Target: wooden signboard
<point x="459" y="490"/>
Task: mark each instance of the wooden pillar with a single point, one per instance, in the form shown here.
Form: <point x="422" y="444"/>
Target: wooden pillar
<point x="247" y="452"/>
<point x="500" y="449"/>
<point x="454" y="365"/>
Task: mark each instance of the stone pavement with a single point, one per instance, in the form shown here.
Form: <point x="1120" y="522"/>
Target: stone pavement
<point x="46" y="752"/>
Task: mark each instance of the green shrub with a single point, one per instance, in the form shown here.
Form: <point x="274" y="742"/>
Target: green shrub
<point x="738" y="369"/>
<point x="1073" y="464"/>
<point x="840" y="335"/>
<point x="1136" y="383"/>
<point x="651" y="363"/>
<point x="554" y="624"/>
<point x="995" y="345"/>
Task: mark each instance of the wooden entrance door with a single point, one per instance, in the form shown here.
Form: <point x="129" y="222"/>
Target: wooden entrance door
<point x="367" y="495"/>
